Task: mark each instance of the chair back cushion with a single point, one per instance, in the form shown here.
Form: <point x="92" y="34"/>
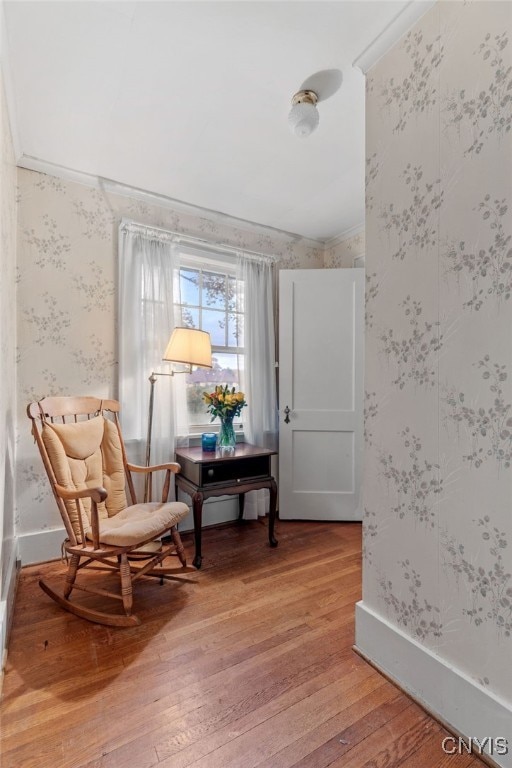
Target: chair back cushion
<point x="87" y="454"/>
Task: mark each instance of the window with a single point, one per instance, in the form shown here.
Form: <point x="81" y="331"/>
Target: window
<point x="211" y="299"/>
<point x="164" y="282"/>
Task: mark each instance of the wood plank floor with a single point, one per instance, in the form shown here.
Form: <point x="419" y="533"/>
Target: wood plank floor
<point x="245" y="663"/>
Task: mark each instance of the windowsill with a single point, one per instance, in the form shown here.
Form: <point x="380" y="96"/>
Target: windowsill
<point x="195" y="438"/>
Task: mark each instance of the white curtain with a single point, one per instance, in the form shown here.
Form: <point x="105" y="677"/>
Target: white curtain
<point x="259" y="380"/>
<point x="148" y="290"/>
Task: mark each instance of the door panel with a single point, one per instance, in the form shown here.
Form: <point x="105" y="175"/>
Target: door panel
<point x="321" y="320"/>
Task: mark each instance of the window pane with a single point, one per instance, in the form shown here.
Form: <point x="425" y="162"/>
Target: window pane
<point x="189" y="317"/>
<point x="215" y="323"/>
<point x="189" y="286"/>
<point x="214" y="290"/>
<point x="226" y="370"/>
<point x="212" y="300"/>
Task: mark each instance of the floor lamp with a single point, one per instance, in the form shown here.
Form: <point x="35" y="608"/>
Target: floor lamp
<point x="189" y="347"/>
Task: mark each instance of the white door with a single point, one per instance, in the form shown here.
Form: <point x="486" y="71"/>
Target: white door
<point x="321" y="353"/>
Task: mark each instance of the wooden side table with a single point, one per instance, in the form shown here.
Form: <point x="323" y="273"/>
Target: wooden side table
<point x="206" y="474"/>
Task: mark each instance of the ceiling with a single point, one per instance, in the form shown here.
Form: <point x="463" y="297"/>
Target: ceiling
<point x="190" y="100"/>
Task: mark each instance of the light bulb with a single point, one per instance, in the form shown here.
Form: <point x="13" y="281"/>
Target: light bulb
<point x="303" y="117"/>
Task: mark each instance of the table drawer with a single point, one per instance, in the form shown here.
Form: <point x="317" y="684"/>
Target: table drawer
<point x="227" y="471"/>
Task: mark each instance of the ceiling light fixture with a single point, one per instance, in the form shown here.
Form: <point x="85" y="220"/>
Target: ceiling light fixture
<point x="303" y="117"/>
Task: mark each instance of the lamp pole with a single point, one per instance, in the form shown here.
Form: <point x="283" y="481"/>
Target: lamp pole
<point x="152" y="381"/>
<point x="187" y="346"/>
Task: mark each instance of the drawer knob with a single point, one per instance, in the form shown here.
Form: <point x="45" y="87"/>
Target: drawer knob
<point x="211" y="473"/>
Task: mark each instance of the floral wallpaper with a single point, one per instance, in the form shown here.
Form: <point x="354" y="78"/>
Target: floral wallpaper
<point x="485" y="273"/>
<point x="67" y="293"/>
<point x="342" y="251"/>
<point x="438" y="475"/>
<point x="7" y="341"/>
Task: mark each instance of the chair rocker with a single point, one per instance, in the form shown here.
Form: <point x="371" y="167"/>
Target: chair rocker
<point x="82" y="449"/>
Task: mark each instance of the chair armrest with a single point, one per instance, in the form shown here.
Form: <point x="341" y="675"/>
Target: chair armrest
<point x="96" y="494"/>
<point x="171" y="466"/>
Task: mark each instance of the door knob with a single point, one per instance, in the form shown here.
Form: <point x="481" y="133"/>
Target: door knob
<point x="287" y="415"/>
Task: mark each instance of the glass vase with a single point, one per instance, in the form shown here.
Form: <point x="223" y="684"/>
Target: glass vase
<point x="227" y="439"/>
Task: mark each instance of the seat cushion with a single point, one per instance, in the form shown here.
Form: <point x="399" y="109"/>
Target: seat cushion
<point x="140" y="522"/>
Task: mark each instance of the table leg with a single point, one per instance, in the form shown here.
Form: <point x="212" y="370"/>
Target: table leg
<point x="197" y="505"/>
<point x="272" y="513"/>
<point x="241" y="503"/>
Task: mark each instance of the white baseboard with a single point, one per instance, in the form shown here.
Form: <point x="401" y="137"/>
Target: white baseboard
<point x="447" y="693"/>
<point x="7" y="603"/>
<point x="41" y="546"/>
<point x="221" y="509"/>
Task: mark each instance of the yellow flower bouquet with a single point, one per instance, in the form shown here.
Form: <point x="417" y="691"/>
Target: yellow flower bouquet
<point x="226" y="404"/>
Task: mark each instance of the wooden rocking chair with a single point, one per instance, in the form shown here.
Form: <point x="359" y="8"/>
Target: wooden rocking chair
<point x="82" y="448"/>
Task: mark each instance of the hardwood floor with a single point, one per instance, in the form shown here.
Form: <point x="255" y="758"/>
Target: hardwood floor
<point x="245" y="663"/>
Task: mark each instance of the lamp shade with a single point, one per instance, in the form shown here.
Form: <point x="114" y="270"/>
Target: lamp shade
<point x="189" y="346"/>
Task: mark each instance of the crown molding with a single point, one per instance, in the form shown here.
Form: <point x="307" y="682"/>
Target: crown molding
<point x="31" y="163"/>
<point x="347" y="234"/>
<point x="152" y="198"/>
<point x="402" y="22"/>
